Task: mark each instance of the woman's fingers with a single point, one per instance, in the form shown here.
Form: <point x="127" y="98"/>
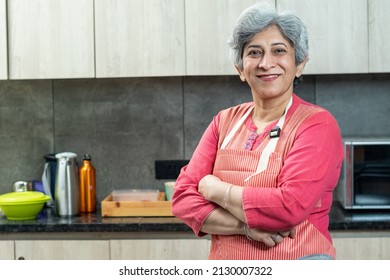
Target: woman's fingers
<point x="270" y="239"/>
<point x="277" y="238"/>
<point x="288" y="233"/>
<point x="293" y="233"/>
<point x="284" y="233"/>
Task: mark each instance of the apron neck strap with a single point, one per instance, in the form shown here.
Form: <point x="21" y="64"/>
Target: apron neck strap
<point x="271" y="145"/>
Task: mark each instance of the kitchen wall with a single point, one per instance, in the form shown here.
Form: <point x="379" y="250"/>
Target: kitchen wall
<point x="126" y="124"/>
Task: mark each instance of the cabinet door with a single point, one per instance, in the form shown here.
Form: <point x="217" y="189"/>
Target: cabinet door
<point x="62" y="250"/>
<point x="357" y="248"/>
<point x="3" y="41"/>
<point x="139" y="38"/>
<point x="362" y="248"/>
<point x="50" y="39"/>
<point x="379" y="40"/>
<point x="160" y="249"/>
<point x="338" y="34"/>
<point x="7" y="250"/>
<point x="209" y="24"/>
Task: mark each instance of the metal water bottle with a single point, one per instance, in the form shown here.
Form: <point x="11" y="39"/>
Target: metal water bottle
<point x="87" y="177"/>
<point x="67" y="190"/>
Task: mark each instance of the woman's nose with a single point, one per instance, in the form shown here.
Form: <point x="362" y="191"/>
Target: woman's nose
<point x="266" y="62"/>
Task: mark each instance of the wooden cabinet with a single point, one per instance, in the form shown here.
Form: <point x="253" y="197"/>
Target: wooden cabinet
<point x="62" y="249"/>
<point x="379" y="40"/>
<point x="362" y="245"/>
<point x="349" y="245"/>
<point x="338" y="34"/>
<point x="115" y="249"/>
<point x="139" y="38"/>
<point x="160" y="249"/>
<point x="7" y="250"/>
<point x="3" y="41"/>
<point x="209" y="24"/>
<point x="50" y="39"/>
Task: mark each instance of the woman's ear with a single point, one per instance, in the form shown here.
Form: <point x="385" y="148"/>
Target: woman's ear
<point x="240" y="73"/>
<point x="300" y="68"/>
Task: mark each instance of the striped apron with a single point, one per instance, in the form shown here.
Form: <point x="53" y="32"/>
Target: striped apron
<point x="241" y="167"/>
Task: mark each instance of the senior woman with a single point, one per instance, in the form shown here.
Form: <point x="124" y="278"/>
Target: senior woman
<point x="261" y="178"/>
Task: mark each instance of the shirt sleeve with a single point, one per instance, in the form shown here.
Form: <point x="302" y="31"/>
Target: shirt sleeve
<point x="311" y="170"/>
<point x="187" y="203"/>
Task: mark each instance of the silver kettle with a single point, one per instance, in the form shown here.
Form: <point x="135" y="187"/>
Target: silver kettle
<point x="67" y="189"/>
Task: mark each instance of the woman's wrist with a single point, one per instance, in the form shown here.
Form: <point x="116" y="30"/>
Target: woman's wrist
<point x="226" y="197"/>
<point x="246" y="232"/>
<point x="222" y="222"/>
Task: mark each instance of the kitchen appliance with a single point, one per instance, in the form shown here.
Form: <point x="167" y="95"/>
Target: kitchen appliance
<point x="365" y="176"/>
<point x="67" y="190"/>
<point x="49" y="176"/>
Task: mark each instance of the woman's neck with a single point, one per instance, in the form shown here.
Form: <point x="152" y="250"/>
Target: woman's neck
<point x="267" y="111"/>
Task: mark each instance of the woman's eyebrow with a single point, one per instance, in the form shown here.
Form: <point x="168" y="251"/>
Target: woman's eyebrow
<point x="273" y="44"/>
<point x="279" y="43"/>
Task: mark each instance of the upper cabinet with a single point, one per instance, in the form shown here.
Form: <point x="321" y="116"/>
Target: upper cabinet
<point x="3" y="41"/>
<point x="209" y="24"/>
<point x="338" y="34"/>
<point x="51" y="39"/>
<point x="59" y="39"/>
<point x="139" y="38"/>
<point x="379" y="40"/>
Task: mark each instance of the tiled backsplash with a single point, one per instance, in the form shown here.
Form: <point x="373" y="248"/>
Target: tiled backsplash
<point x="126" y="124"/>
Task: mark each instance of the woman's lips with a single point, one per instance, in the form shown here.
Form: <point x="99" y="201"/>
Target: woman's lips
<point x="269" y="77"/>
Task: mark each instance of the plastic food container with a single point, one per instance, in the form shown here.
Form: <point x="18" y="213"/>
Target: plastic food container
<point x="135" y="195"/>
<point x="22" y="205"/>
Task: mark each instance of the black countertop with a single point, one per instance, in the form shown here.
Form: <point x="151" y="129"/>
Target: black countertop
<point x="341" y="219"/>
<point x="47" y="222"/>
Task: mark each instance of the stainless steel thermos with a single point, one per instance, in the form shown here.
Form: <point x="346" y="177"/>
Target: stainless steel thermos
<point x="67" y="190"/>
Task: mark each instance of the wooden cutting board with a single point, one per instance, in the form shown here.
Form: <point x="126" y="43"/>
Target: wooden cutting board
<point x="158" y="208"/>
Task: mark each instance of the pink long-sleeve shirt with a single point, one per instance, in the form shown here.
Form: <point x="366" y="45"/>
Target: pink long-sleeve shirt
<point x="309" y="174"/>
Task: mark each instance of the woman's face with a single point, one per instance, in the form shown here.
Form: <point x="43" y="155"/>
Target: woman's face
<point x="269" y="64"/>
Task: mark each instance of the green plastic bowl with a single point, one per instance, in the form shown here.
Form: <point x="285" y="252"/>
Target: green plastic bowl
<point x="22" y="205"/>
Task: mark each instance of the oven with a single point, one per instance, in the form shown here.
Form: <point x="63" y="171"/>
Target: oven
<point x="365" y="176"/>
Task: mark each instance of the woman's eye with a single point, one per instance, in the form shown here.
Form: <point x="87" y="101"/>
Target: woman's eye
<point x="280" y="51"/>
<point x="254" y="53"/>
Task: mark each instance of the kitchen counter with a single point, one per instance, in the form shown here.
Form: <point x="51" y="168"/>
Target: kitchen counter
<point x="362" y="220"/>
<point x="47" y="222"/>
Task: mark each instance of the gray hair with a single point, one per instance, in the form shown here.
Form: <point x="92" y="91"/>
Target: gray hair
<point x="259" y="17"/>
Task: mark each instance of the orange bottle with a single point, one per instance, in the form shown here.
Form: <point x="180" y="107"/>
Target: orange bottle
<point x="87" y="177"/>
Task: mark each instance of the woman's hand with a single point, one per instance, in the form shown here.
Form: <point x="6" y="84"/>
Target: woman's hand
<point x="270" y="239"/>
<point x="214" y="189"/>
<point x="207" y="186"/>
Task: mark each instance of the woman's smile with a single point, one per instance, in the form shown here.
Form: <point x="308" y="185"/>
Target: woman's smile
<point x="268" y="77"/>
